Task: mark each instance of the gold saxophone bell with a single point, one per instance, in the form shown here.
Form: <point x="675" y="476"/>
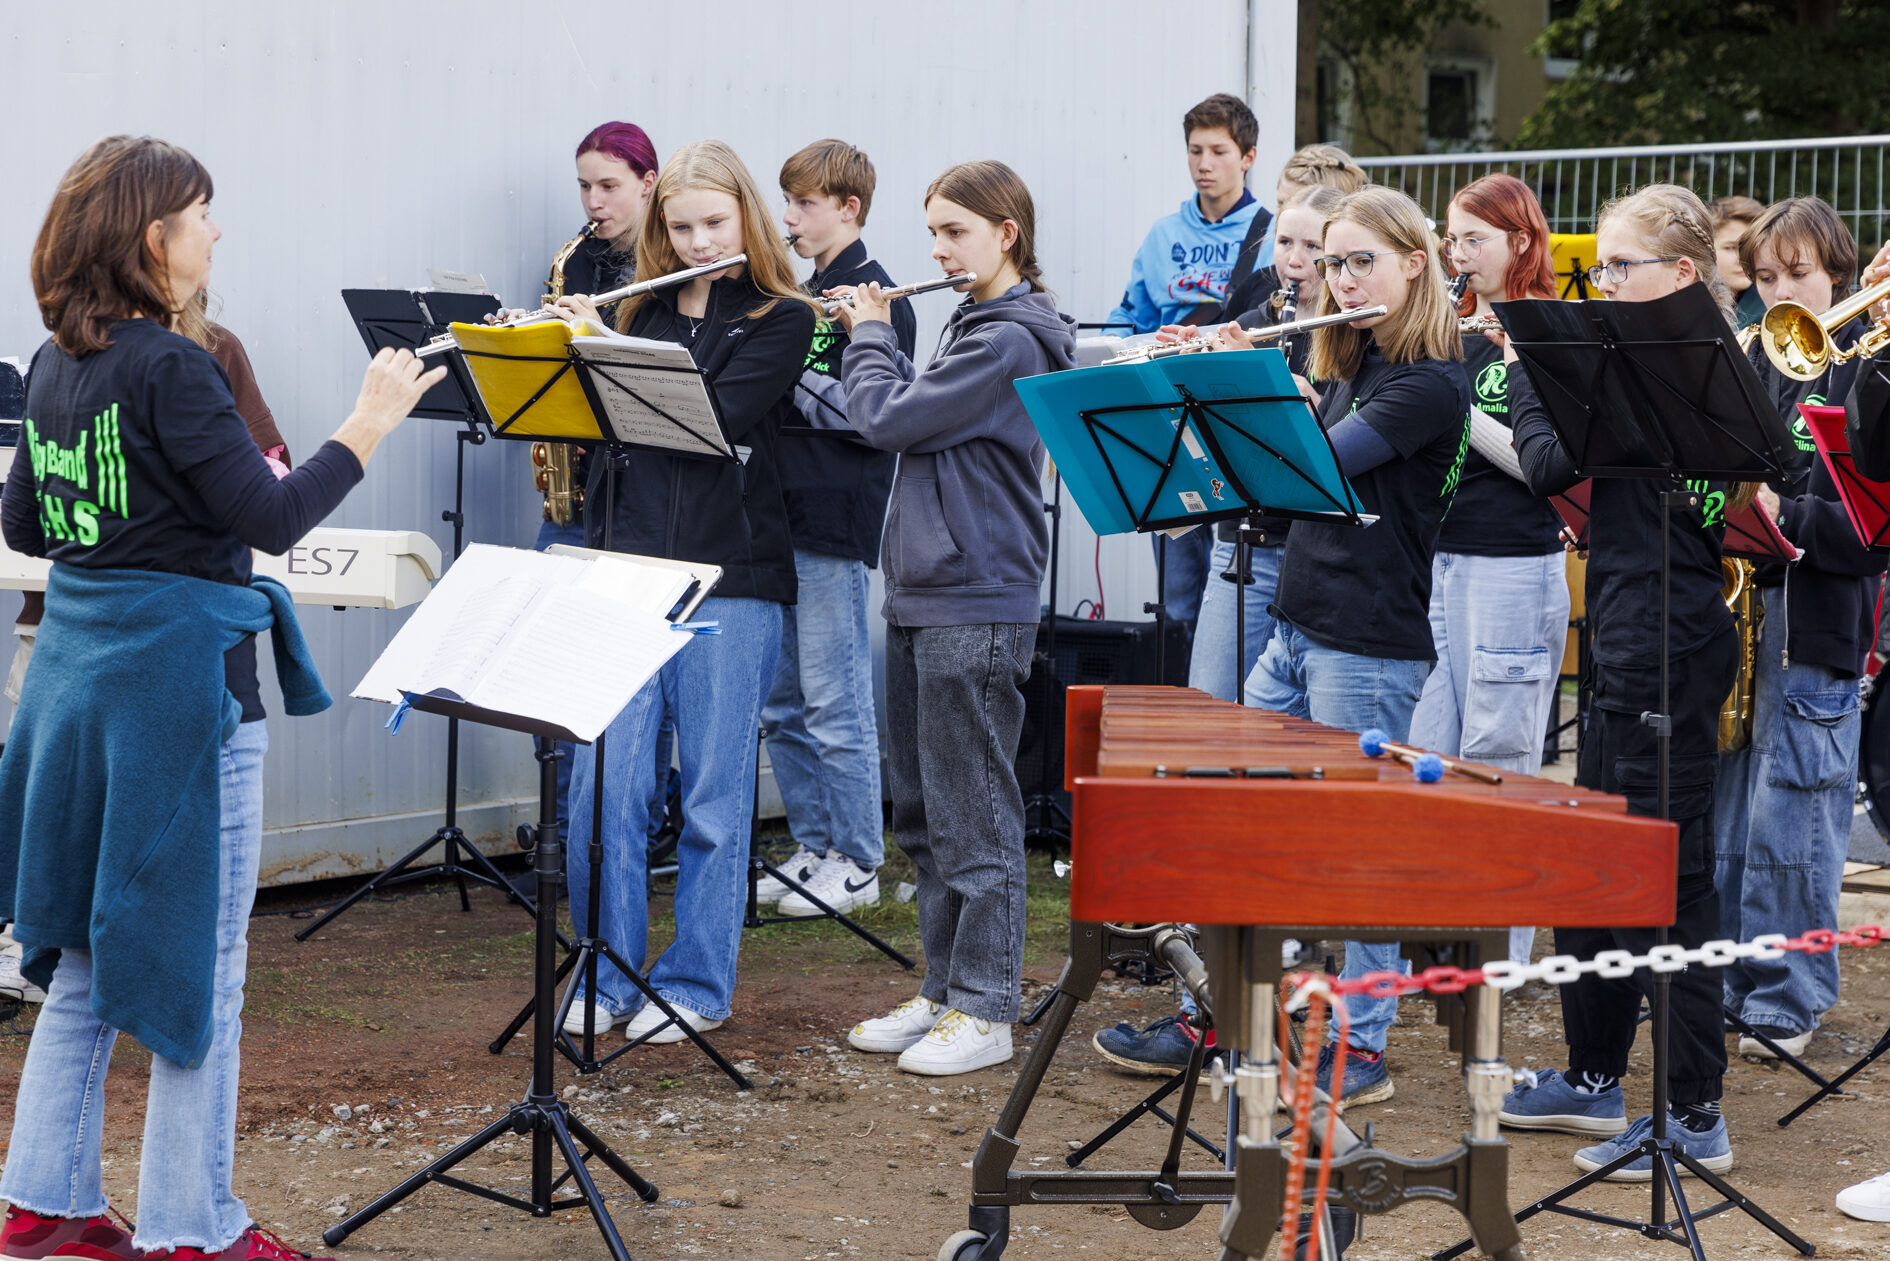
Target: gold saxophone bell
<point x="1742" y="601"/>
<point x="1800" y="344"/>
<point x="554" y="464"/>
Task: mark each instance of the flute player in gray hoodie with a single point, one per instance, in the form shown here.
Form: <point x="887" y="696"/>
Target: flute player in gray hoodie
<point x="964" y="557"/>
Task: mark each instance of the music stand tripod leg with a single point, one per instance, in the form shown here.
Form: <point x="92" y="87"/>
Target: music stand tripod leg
<point x="1832" y="1087"/>
<point x="542" y="1114"/>
<point x="757" y="865"/>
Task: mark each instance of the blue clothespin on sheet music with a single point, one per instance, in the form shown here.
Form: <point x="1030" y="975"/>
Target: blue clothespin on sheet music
<point x="697" y="628"/>
<point x="392" y="725"/>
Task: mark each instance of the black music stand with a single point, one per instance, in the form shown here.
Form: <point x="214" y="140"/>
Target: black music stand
<point x="406" y="320"/>
<point x="1658" y="390"/>
<point x="543" y="1114"/>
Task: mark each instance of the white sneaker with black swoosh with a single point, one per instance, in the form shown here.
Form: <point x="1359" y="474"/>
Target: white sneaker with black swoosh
<point x="839" y="882"/>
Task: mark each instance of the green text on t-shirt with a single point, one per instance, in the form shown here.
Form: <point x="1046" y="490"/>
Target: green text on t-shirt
<point x="76" y="520"/>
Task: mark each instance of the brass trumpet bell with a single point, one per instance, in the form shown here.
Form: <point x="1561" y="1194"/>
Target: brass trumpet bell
<point x="1800" y="344"/>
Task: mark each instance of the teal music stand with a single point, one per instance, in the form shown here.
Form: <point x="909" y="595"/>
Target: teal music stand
<point x="1189" y="440"/>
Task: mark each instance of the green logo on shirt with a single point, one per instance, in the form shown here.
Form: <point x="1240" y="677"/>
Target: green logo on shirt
<point x="1449" y="492"/>
<point x="1712" y="503"/>
<point x="76" y="520"/>
<point x="820" y="356"/>
<point x="1801" y="432"/>
<point x="1493" y="387"/>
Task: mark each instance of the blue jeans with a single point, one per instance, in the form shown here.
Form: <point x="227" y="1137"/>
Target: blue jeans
<point x="1782" y="826"/>
<point x="185" y="1198"/>
<point x="1185" y="572"/>
<point x="1296" y="676"/>
<point x="823" y="737"/>
<point x="1499" y="624"/>
<point x="1211" y="668"/>
<point x="573" y="534"/>
<point x="713" y="690"/>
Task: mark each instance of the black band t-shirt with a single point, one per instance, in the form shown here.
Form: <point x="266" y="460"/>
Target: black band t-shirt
<point x="1494" y="514"/>
<point x="135" y="457"/>
<point x="1367" y="591"/>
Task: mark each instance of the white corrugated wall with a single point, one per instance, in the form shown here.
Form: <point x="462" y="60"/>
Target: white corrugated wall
<point x="357" y="144"/>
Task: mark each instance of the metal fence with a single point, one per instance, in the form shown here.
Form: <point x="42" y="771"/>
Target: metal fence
<point x="1572" y="184"/>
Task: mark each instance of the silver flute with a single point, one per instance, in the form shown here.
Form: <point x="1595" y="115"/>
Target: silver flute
<point x="1195" y="345"/>
<point x="905" y="291"/>
<point x="446" y="341"/>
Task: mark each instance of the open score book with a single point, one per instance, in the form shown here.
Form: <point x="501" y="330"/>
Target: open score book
<point x="562" y="641"/>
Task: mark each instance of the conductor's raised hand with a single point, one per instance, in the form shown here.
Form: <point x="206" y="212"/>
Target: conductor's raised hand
<point x="390" y="389"/>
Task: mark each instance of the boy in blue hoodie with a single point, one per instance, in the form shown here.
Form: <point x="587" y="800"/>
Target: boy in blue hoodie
<point x="1181" y="274"/>
<point x="1186" y="259"/>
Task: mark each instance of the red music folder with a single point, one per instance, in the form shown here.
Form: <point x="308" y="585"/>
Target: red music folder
<point x="1750" y="534"/>
<point x="1866" y="502"/>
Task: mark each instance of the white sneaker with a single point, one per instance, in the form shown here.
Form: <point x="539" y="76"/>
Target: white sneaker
<point x="957" y="1044"/>
<point x="839" y="882"/>
<point x="12" y="983"/>
<point x="899" y="1029"/>
<point x="768" y="890"/>
<point x="1793" y="1045"/>
<point x="600" y="1023"/>
<point x="651" y="1016"/>
<point x="1868" y="1201"/>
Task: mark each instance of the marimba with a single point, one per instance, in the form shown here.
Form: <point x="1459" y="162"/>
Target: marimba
<point x="1258" y="826"/>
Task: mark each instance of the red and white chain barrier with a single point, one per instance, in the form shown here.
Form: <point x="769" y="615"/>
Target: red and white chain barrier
<point x="1561" y="969"/>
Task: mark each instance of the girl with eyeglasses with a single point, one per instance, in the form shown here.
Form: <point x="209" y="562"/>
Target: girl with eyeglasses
<point x="1352" y="642"/>
<point x="1651" y="244"/>
<point x="1499" y="584"/>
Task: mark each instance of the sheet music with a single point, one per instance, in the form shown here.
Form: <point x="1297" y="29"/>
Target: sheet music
<point x="501" y="629"/>
<point x="527" y="677"/>
<point x="663" y="376"/>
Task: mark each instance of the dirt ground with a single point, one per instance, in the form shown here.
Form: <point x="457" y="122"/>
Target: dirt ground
<point x="365" y="1057"/>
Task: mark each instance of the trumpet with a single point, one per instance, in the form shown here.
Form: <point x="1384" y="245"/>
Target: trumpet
<point x="905" y="291"/>
<point x="446" y="341"/>
<point x="1196" y="345"/>
<point x="1800" y="344"/>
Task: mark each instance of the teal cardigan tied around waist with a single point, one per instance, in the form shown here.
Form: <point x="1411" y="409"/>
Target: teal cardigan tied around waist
<point x="110" y="797"/>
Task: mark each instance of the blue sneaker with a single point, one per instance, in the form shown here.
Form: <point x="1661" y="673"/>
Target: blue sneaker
<point x="1366" y="1078"/>
<point x="1161" y="1050"/>
<point x="1712" y="1148"/>
<point x="1553" y="1104"/>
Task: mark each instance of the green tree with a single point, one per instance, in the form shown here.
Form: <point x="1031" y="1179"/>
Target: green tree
<point x="1377" y="43"/>
<point x="1680" y="71"/>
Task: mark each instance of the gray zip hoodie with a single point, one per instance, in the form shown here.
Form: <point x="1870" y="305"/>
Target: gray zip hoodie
<point x="965" y="540"/>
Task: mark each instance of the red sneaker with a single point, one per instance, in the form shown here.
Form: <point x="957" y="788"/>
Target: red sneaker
<point x="254" y="1244"/>
<point x="31" y="1237"/>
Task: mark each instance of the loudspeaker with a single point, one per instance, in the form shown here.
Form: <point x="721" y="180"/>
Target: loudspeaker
<point x="1087" y="652"/>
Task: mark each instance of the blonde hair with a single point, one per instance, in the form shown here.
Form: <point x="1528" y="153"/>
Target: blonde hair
<point x="1425" y="327"/>
<point x="1326" y="165"/>
<point x="712" y="165"/>
<point x="1322" y="199"/>
<point x="1672" y="221"/>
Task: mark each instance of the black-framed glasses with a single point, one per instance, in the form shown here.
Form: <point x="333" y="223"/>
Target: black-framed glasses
<point x="1358" y="262"/>
<point x="1617" y="271"/>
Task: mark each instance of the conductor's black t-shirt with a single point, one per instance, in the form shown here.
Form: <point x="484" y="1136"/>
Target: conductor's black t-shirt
<point x="1367" y="591"/>
<point x="1494" y="514"/>
<point x="107" y="458"/>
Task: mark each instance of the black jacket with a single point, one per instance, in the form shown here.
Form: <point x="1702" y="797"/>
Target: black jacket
<point x="1867" y="417"/>
<point x="694" y="509"/>
<point x="1830" y="594"/>
<point x="835" y="485"/>
<point x="1250" y="286"/>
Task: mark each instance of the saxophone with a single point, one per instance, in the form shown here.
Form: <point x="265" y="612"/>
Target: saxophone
<point x="1742" y="601"/>
<point x="554" y="464"/>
